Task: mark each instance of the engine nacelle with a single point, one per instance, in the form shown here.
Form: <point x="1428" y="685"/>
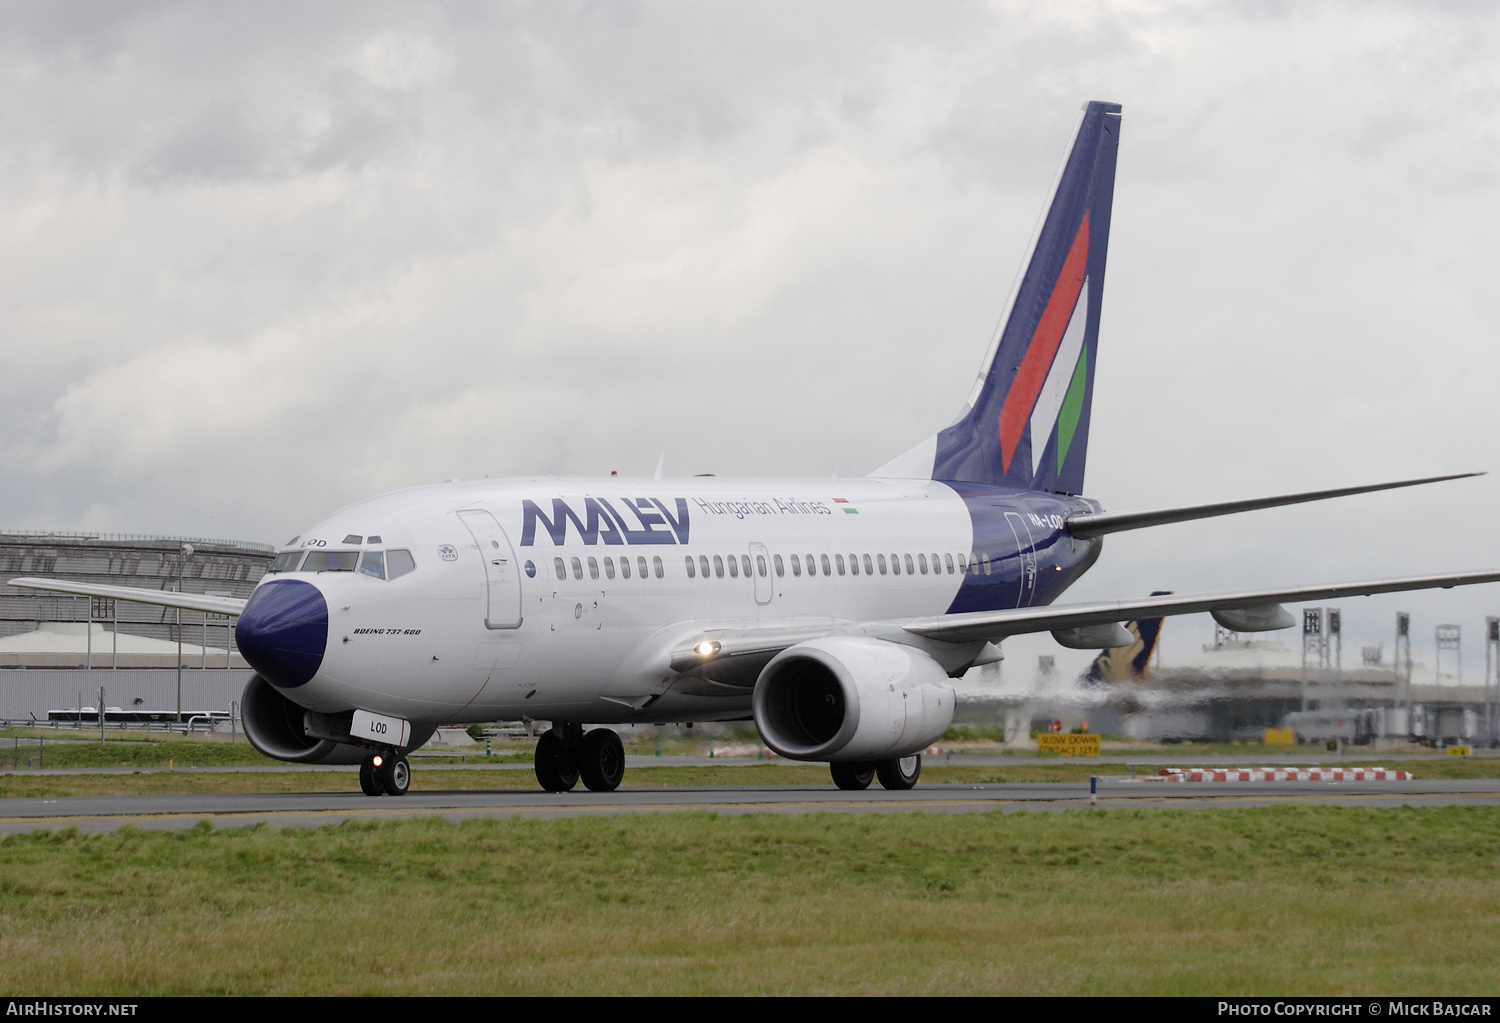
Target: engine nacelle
<point x="851" y="698"/>
<point x="277" y="727"/>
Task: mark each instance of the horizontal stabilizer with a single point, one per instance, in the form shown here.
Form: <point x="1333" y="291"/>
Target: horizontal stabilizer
<point x="161" y="598"/>
<point x="996" y="625"/>
<point x="1099" y="523"/>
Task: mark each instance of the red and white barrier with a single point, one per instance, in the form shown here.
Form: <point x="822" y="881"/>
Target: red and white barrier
<point x="1211" y="774"/>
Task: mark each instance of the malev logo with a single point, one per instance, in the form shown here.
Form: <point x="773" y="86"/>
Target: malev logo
<point x="643" y="520"/>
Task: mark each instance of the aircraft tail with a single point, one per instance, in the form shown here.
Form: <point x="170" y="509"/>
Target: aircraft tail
<point x="1026" y="423"/>
<point x="1120" y="663"/>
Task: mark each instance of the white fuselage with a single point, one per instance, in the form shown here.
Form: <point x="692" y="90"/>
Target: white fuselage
<point x="518" y="608"/>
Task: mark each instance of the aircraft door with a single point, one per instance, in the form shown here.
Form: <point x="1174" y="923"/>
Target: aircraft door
<point x="1022" y="534"/>
<point x="502" y="575"/>
<point x="760" y="564"/>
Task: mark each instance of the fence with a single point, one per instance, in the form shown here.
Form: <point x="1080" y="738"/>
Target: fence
<point x="32" y="692"/>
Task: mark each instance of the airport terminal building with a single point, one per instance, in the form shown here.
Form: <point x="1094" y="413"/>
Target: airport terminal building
<point x="57" y="650"/>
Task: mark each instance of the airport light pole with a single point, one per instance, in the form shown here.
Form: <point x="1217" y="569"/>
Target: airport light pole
<point x="185" y="553"/>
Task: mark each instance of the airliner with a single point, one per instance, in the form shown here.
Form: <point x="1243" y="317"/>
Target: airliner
<point x="834" y="613"/>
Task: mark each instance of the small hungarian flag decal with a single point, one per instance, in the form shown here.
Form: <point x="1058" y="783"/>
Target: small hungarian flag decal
<point x="848" y="510"/>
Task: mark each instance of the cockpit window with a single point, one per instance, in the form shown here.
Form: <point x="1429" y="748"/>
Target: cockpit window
<point x="330" y="561"/>
<point x="354" y="538"/>
<point x="286" y="561"/>
<point x="373" y="539"/>
<point x="372" y="564"/>
<point x="398" y="563"/>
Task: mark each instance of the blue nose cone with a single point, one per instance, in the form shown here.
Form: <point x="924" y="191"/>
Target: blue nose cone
<point x="283" y="632"/>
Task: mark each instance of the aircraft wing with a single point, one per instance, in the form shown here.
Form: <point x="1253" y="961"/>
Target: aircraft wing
<point x="996" y="625"/>
<point x="162" y="598"/>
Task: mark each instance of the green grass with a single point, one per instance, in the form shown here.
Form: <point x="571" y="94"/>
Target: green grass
<point x="1285" y="900"/>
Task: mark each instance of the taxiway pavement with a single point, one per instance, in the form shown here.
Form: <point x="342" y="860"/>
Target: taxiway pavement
<point x="108" y="813"/>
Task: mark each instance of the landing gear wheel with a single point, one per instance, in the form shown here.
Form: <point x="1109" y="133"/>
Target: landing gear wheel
<point x="853" y="777"/>
<point x="601" y="761"/>
<point x="395" y="775"/>
<point x="369" y="779"/>
<point x="900" y="774"/>
<point x="557" y="771"/>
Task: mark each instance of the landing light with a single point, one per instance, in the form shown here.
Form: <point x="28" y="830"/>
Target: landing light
<point x="377" y="761"/>
<point x="707" y="648"/>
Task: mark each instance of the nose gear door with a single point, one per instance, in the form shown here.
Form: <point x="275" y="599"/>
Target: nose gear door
<point x="503" y="578"/>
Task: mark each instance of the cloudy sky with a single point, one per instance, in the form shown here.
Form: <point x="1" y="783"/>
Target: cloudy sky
<point x="259" y="260"/>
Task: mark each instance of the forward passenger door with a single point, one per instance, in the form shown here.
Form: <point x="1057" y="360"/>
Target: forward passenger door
<point x="502" y="576"/>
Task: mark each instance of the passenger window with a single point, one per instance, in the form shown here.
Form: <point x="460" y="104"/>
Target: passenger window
<point x="909" y="566"/>
<point x="624" y="568"/>
<point x="398" y="563"/>
<point x="937" y="566"/>
<point x="577" y="569"/>
<point x="331" y="561"/>
<point x="560" y="571"/>
<point x="609" y="568"/>
<point x="854" y="564"/>
<point x="962" y="566"/>
<point x="745" y="563"/>
<point x="838" y="560"/>
<point x="780" y="565"/>
<point x="922" y="563"/>
<point x="372" y="565"/>
<point x="869" y="566"/>
<point x="986" y="558"/>
<point x="760" y="564"/>
<point x="703" y="564"/>
<point x="692" y="569"/>
<point x="948" y="560"/>
<point x="796" y="565"/>
<point x="880" y="560"/>
<point x="824" y="559"/>
<point x="593" y="568"/>
<point x="640" y="564"/>
<point x="286" y="562"/>
<point x="895" y="564"/>
<point x="718" y="566"/>
<point x="734" y="567"/>
<point x="660" y="568"/>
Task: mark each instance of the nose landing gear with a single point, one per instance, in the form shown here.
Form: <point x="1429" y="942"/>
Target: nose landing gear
<point x="385" y="774"/>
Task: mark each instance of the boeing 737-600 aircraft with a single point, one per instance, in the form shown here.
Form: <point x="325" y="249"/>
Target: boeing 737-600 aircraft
<point x="831" y="612"/>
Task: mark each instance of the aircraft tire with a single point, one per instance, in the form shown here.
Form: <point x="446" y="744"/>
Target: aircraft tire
<point x="370" y="782"/>
<point x="853" y="777"/>
<point x="601" y="761"/>
<point x="395" y="776"/>
<point x="899" y="775"/>
<point x="555" y="770"/>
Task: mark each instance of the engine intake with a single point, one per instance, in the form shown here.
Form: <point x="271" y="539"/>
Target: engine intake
<point x="851" y="698"/>
<point x="277" y="727"/>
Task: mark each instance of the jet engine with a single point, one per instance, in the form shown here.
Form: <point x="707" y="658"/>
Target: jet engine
<point x="278" y="728"/>
<point x="851" y="698"/>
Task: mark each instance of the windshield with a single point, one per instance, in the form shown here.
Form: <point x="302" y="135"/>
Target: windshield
<point x="330" y="561"/>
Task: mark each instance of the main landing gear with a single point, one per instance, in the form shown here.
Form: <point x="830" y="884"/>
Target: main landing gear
<point x="566" y="753"/>
<point x="385" y="774"/>
<point x="894" y="774"/>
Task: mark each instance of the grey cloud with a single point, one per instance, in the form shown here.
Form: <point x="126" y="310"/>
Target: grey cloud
<point x="260" y="260"/>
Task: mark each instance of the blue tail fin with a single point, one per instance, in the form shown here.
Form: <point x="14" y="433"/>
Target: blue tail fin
<point x="1027" y="421"/>
<point x="1121" y="663"/>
